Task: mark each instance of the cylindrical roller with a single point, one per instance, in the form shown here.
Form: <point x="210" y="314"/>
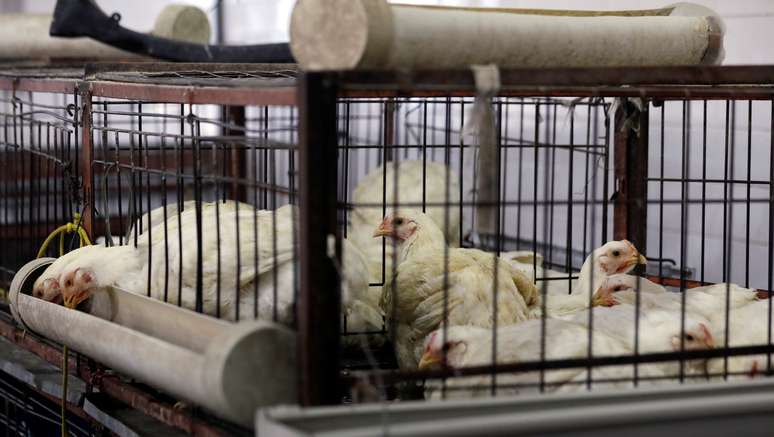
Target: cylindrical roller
<point x="183" y="22"/>
<point x="149" y="316"/>
<point x="351" y="34"/>
<point x="252" y="354"/>
<point x="230" y="369"/>
<point x="171" y="368"/>
<point x="23" y="281"/>
<point x="157" y="319"/>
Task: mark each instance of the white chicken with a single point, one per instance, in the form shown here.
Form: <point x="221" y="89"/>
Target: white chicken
<point x="248" y="264"/>
<point x="410" y="190"/>
<point x="707" y="301"/>
<point x="747" y="315"/>
<point x="657" y="330"/>
<point x="748" y="326"/>
<point x="360" y="303"/>
<point x="173" y="268"/>
<point x="467" y="346"/>
<point x="156" y="216"/>
<point x="611" y="258"/>
<point x="435" y="284"/>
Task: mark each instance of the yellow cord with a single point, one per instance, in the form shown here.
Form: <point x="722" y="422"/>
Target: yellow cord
<point x="69" y="228"/>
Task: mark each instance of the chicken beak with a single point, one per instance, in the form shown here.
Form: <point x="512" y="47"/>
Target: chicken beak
<point x="635" y="259"/>
<point x="384" y="229"/>
<point x="72" y="301"/>
<point x="429" y="359"/>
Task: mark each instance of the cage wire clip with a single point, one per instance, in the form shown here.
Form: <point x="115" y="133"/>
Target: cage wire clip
<point x="481" y="128"/>
<point x="61" y="231"/>
<point x="631" y="121"/>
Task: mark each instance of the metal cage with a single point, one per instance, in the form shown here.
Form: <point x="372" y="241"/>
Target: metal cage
<point x="694" y="196"/>
<point x="582" y="157"/>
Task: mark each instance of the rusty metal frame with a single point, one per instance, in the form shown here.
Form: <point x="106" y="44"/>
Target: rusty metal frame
<point x="39" y="85"/>
<point x="87" y="155"/>
<point x="319" y="286"/>
<point x="237" y="158"/>
<point x="692" y="82"/>
<point x="280" y="96"/>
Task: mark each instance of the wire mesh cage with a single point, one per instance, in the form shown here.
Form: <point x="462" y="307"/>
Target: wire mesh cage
<point x="190" y="198"/>
<point x="245" y="193"/>
<point x="226" y="166"/>
<point x="677" y="173"/>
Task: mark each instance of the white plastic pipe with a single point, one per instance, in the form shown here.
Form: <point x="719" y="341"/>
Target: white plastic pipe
<point x="351" y="34"/>
<point x="168" y="322"/>
<point x="229" y="369"/>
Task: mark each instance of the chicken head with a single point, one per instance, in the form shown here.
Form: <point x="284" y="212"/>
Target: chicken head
<point x="604" y="296"/>
<point x="618" y="257"/>
<point x="47" y="286"/>
<point x="76" y="286"/>
<point x="411" y="230"/>
<point x="616" y="283"/>
<point x="439" y="353"/>
<point x="696" y="336"/>
<point x="48" y="289"/>
<point x="396" y="226"/>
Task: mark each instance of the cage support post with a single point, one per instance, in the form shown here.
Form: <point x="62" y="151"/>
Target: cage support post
<point x="237" y="167"/>
<point x="631" y="173"/>
<point x="390" y="111"/>
<point x="319" y="299"/>
<point x="87" y="156"/>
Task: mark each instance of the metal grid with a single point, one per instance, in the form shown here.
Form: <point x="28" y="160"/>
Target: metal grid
<point x="114" y="156"/>
<point x="708" y="197"/>
<point x="153" y="161"/>
<point x="40" y="172"/>
<point x="25" y="412"/>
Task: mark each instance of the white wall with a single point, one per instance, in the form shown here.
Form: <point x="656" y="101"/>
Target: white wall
<point x="750" y="28"/>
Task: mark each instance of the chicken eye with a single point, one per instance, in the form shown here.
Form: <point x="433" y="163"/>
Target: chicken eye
<point x="618" y="288"/>
<point x="689" y="337"/>
<point x="616" y="253"/>
<point x="398" y="221"/>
